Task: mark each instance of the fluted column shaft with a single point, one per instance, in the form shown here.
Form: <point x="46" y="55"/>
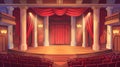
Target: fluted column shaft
<point x="109" y="44"/>
<point x="46" y="31"/>
<point x="34" y="35"/>
<point x="10" y="30"/>
<point x="96" y="21"/>
<point x="23" y="43"/>
<point x="73" y="26"/>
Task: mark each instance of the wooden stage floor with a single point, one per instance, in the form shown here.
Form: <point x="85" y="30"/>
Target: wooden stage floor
<point x="60" y="50"/>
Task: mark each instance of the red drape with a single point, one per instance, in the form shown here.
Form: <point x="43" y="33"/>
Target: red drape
<point x="16" y="38"/>
<point x="59" y="33"/>
<point x="16" y="13"/>
<point x="89" y="24"/>
<point x="60" y="30"/>
<point x="103" y="33"/>
<point x="29" y="25"/>
<point x="59" y="11"/>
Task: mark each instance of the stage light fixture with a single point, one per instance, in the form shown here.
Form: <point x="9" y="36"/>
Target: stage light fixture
<point x="79" y="25"/>
<point x="40" y="25"/>
<point x="116" y="31"/>
<point x="3" y="31"/>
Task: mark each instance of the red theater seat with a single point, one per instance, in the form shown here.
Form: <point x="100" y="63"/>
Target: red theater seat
<point x="113" y="64"/>
<point x="77" y="66"/>
<point x="118" y="64"/>
<point x="91" y="65"/>
<point x="103" y="65"/>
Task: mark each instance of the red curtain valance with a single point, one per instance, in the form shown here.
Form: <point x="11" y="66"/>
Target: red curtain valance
<point x="59" y="11"/>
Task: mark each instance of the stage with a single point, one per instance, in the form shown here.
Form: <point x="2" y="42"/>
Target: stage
<point x="61" y="54"/>
<point x="60" y="50"/>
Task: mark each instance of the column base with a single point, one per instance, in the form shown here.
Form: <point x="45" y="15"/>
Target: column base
<point x="34" y="45"/>
<point x="46" y="43"/>
<point x="83" y="45"/>
<point x="96" y="47"/>
<point x="73" y="44"/>
<point x="109" y="46"/>
<point x="23" y="47"/>
<point x="10" y="46"/>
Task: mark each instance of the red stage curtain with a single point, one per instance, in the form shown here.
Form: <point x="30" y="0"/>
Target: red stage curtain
<point x="59" y="30"/>
<point x="43" y="11"/>
<point x="16" y="13"/>
<point x="103" y="32"/>
<point x="16" y="38"/>
<point x="29" y="25"/>
<point x="59" y="33"/>
<point x="75" y="11"/>
<point x="59" y="11"/>
<point x="89" y="24"/>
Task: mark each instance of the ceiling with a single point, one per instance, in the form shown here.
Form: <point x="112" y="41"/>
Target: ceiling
<point x="64" y="1"/>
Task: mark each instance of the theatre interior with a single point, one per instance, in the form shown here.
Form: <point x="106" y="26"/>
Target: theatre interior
<point x="59" y="33"/>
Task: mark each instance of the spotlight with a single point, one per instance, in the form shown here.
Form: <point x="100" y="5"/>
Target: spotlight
<point x="30" y="13"/>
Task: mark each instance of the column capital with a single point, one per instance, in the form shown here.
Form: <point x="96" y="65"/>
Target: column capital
<point x="109" y="8"/>
<point x="110" y="1"/>
<point x="8" y="1"/>
<point x="96" y="8"/>
<point x="23" y="7"/>
<point x="23" y="1"/>
<point x="38" y="1"/>
<point x="10" y="8"/>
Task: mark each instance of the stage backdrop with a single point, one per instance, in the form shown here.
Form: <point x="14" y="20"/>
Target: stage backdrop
<point x="60" y="30"/>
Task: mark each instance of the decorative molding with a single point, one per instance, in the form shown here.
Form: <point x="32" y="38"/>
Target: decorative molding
<point x="110" y="1"/>
<point x="7" y="19"/>
<point x="62" y="5"/>
<point x="95" y="1"/>
<point x="79" y="1"/>
<point x="113" y="19"/>
<point x="8" y="1"/>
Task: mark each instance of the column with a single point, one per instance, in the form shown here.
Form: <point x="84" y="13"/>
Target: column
<point x="23" y="43"/>
<point x="109" y="44"/>
<point x="73" y="26"/>
<point x="34" y="35"/>
<point x="84" y="33"/>
<point x="96" y="20"/>
<point x="46" y="31"/>
<point x="10" y="30"/>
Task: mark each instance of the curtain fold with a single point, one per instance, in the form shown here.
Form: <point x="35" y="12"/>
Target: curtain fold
<point x="59" y="33"/>
<point x="59" y="30"/>
<point x="103" y="32"/>
<point x="16" y="38"/>
<point x="29" y="25"/>
<point x="59" y="11"/>
<point x="89" y="24"/>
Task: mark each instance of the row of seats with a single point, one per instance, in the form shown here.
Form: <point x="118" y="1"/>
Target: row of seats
<point x="12" y="60"/>
<point x="105" y="60"/>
